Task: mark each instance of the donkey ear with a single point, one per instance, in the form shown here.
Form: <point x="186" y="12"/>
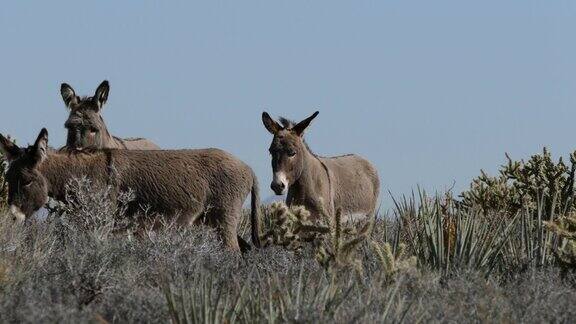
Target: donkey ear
<point x="101" y="95"/>
<point x="301" y="126"/>
<point x="271" y="125"/>
<point x="68" y="95"/>
<point x="10" y="150"/>
<point x="40" y="147"/>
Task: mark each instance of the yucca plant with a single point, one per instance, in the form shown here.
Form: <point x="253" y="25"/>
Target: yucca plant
<point x="445" y="237"/>
<point x="306" y="297"/>
<point x="534" y="191"/>
<point x="204" y="303"/>
<point x="531" y="243"/>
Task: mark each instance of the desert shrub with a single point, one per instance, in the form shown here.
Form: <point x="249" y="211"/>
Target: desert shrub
<point x="97" y="210"/>
<point x="446" y="237"/>
<point x="291" y="227"/>
<point x="59" y="270"/>
<point x="301" y="291"/>
<point x="393" y="262"/>
<point x="51" y="272"/>
<point x="530" y="243"/>
<point x="565" y="228"/>
<point x="436" y="261"/>
<point x="3" y="184"/>
<point x="539" y="183"/>
<point x="532" y="192"/>
<point x="335" y="242"/>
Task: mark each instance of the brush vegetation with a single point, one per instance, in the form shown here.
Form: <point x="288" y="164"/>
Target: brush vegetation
<point x="3" y="185"/>
<point x="504" y="251"/>
<point x="539" y="183"/>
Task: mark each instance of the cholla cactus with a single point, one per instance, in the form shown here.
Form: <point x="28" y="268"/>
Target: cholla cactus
<point x="565" y="227"/>
<point x="339" y="248"/>
<point x="292" y="227"/>
<point x="539" y="182"/>
<point x="335" y="245"/>
<point x="393" y="263"/>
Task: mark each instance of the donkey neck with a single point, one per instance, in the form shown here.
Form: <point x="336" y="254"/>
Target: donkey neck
<point x="109" y="141"/>
<point x="313" y="182"/>
<point x="60" y="168"/>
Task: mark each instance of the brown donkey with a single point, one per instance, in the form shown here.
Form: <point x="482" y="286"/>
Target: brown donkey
<point x="207" y="185"/>
<point x="321" y="184"/>
<point x="86" y="128"/>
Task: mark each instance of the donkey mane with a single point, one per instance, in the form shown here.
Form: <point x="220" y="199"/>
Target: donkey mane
<point x="85" y="151"/>
<point x="287" y="124"/>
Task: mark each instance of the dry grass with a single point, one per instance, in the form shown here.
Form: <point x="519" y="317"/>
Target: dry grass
<point x="432" y="262"/>
<point x="50" y="273"/>
<point x="53" y="272"/>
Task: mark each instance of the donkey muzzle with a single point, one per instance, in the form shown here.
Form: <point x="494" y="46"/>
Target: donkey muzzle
<point x="279" y="184"/>
<point x="17" y="214"/>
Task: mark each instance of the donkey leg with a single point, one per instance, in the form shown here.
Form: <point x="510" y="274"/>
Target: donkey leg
<point x="226" y="226"/>
<point x="228" y="235"/>
<point x="244" y="246"/>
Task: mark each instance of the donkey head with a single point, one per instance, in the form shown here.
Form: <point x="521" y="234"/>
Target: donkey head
<point x="85" y="125"/>
<point x="287" y="150"/>
<point x="27" y="188"/>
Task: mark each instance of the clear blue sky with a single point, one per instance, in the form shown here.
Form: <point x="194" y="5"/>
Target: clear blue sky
<point x="429" y="91"/>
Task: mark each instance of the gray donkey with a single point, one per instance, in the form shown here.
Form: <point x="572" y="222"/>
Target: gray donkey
<point x="207" y="185"/>
<point x="321" y="184"/>
<point x="86" y="128"/>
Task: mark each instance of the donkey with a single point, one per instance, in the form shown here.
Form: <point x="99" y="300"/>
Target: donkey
<point x="86" y="128"/>
<point x="207" y="185"/>
<point x="320" y="184"/>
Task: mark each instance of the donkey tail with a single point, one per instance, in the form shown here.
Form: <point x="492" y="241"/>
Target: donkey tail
<point x="255" y="212"/>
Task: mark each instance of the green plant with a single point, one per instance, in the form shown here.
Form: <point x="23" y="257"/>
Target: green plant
<point x="3" y="184"/>
<point x="444" y="236"/>
<point x="306" y="297"/>
<point x="533" y="192"/>
<point x="530" y="242"/>
<point x="392" y="262"/>
<point x="338" y="249"/>
<point x="291" y="227"/>
<point x="565" y="228"/>
<point x="204" y="303"/>
<point x="335" y="243"/>
<point x="537" y="183"/>
<point x="94" y="209"/>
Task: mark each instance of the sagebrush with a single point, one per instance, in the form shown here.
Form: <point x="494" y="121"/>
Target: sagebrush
<point x="3" y="184"/>
<point x="486" y="258"/>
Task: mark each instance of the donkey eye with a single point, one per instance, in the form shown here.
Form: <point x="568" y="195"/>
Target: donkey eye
<point x="291" y="153"/>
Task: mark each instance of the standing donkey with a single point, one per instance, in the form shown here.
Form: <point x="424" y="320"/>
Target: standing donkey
<point x="86" y="128"/>
<point x="207" y="185"/>
<point x="320" y="184"/>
